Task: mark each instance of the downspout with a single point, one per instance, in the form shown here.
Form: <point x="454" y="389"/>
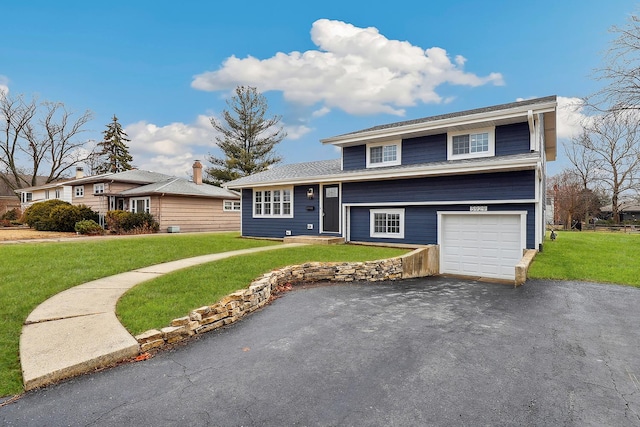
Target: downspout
<point x="532" y="131"/>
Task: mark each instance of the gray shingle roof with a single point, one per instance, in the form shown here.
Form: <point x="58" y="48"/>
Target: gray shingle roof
<point x="293" y="171"/>
<point x="457" y="114"/>
<point x="181" y="187"/>
<point x="329" y="170"/>
<point x="135" y="176"/>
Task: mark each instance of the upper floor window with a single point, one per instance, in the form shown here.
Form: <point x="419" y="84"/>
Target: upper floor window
<point x="274" y="202"/>
<point x="98" y="188"/>
<point x="231" y="205"/>
<point x="463" y="145"/>
<point x="384" y="154"/>
<point x="78" y="190"/>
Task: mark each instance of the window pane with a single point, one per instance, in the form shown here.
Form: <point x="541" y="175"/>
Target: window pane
<point x="393" y="223"/>
<point x="375" y="155"/>
<point x="380" y="223"/>
<point x="286" y="195"/>
<point x="286" y="208"/>
<point x="460" y="144"/>
<point x="479" y="142"/>
<point x="389" y="153"/>
<point x="267" y="202"/>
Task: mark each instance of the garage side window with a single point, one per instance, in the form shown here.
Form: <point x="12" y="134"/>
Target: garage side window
<point x="387" y="223"/>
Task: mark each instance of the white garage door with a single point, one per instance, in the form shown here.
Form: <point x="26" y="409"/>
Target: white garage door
<point x="479" y="244"/>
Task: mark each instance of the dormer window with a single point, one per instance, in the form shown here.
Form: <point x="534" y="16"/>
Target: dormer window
<point x="464" y="145"/>
<point x="384" y="154"/>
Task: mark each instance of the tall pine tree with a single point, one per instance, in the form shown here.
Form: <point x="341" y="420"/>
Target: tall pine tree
<point x="113" y="150"/>
<point x="246" y="137"/>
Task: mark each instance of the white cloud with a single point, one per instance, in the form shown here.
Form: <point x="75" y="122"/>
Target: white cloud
<point x="4" y="84"/>
<point x="170" y="149"/>
<point x="178" y="165"/>
<point x="170" y="139"/>
<point x="570" y="117"/>
<point x="297" y="132"/>
<point x="354" y="69"/>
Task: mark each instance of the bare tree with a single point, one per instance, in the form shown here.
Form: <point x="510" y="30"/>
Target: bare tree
<point x="611" y="141"/>
<point x="585" y="166"/>
<point x="621" y="69"/>
<point x="38" y="140"/>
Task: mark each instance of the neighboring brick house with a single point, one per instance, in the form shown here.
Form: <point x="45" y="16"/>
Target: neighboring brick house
<point x="472" y="182"/>
<point x="184" y="205"/>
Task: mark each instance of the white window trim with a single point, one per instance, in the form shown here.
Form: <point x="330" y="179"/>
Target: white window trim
<point x="492" y="144"/>
<point x="235" y="205"/>
<point x="395" y="162"/>
<point x="99" y="186"/>
<point x="372" y="233"/>
<point x="147" y="204"/>
<point x="272" y="215"/>
<point x="75" y="191"/>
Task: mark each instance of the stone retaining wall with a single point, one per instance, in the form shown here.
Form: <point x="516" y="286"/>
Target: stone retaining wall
<point x="419" y="263"/>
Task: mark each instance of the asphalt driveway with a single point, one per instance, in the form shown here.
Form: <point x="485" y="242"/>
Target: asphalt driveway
<point x="433" y="351"/>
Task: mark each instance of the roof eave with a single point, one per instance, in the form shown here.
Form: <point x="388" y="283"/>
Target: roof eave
<point x="416" y="172"/>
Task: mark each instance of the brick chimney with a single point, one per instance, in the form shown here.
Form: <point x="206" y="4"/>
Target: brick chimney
<point x="197" y="172"/>
<point x="79" y="172"/>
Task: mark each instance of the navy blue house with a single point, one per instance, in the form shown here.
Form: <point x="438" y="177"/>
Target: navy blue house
<point x="471" y="182"/>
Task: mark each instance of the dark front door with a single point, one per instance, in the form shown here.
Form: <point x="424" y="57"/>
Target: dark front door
<point x="331" y="208"/>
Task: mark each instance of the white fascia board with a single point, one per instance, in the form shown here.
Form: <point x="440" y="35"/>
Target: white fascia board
<point x="418" y="172"/>
<point x="395" y="132"/>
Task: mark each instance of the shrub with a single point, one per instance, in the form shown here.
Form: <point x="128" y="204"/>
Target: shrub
<point x="11" y="215"/>
<point x="89" y="227"/>
<point x="40" y="212"/>
<point x="123" y="222"/>
<point x="64" y="217"/>
<point x="56" y="215"/>
<point x="5" y="223"/>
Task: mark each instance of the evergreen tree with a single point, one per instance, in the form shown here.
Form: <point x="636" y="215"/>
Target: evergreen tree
<point x="246" y="137"/>
<point x="113" y="149"/>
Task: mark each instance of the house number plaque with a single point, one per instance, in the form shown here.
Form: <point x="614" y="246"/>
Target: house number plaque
<point x="478" y="208"/>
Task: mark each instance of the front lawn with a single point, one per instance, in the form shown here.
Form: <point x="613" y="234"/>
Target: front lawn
<point x="590" y="256"/>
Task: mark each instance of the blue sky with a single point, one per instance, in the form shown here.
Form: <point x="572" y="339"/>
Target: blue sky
<point x="327" y="67"/>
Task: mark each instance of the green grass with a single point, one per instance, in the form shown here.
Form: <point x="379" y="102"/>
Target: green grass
<point x="589" y="256"/>
<point x="153" y="304"/>
<point x="31" y="273"/>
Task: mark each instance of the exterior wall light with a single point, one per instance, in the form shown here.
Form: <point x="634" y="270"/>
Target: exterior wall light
<point x="310" y="193"/>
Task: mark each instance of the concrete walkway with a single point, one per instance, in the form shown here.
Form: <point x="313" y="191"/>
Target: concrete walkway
<point x="77" y="331"/>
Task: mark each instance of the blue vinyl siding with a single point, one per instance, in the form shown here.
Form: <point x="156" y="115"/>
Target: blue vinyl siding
<point x="354" y="158"/>
<point x="512" y="139"/>
<point x="421" y="222"/>
<point x="424" y="149"/>
<point x="489" y="186"/>
<point x="276" y="227"/>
